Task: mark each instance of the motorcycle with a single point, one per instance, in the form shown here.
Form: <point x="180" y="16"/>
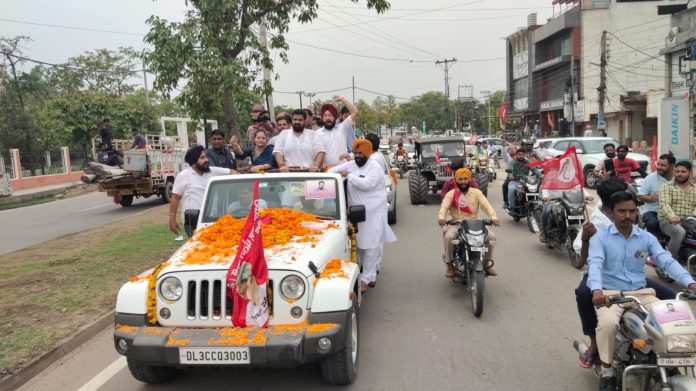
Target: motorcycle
<point x="467" y="261"/>
<point x="528" y="201"/>
<point x="492" y="173"/>
<point x="655" y="346"/>
<point x="567" y="217"/>
<point x="687" y="252"/>
<point x="401" y="163"/>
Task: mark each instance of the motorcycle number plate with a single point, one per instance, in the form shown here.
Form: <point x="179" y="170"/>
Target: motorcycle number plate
<point x="480" y="249"/>
<point x="676" y="361"/>
<point x="576" y="217"/>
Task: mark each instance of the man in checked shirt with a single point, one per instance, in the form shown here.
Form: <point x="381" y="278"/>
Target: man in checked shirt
<point x="677" y="201"/>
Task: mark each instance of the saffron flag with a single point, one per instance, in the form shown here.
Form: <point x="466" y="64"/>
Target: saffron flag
<point x="248" y="274"/>
<point x="437" y="154"/>
<point x="563" y="172"/>
<point x="653" y="154"/>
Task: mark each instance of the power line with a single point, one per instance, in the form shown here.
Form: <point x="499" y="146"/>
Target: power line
<point x="638" y="50"/>
<point x="359" y="55"/>
<point x="71" y="28"/>
<point x="72" y="67"/>
<point x="378" y="93"/>
<point x="313" y="92"/>
<point x="452" y="9"/>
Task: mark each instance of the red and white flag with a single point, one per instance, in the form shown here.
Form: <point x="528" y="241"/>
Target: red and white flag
<point x="502" y="114"/>
<point x="473" y="139"/>
<point x="248" y="274"/>
<point x="563" y="172"/>
<point x="653" y="154"/>
<point x="437" y="154"/>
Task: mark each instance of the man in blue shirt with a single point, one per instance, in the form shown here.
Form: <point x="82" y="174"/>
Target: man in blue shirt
<point x="615" y="264"/>
<point x="649" y="192"/>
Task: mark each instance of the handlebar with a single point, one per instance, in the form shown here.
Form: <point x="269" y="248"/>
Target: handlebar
<point x="459" y="222"/>
<point x="686" y="294"/>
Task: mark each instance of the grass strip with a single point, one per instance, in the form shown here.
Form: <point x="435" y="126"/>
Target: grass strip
<point x="50" y="290"/>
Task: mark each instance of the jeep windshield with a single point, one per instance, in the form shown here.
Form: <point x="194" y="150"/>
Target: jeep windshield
<point x="313" y="195"/>
<point x="446" y="150"/>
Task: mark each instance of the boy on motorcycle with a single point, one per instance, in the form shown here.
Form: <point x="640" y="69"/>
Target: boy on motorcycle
<point x="612" y="272"/>
<point x="462" y="203"/>
<point x="517" y="169"/>
<point x="401" y="151"/>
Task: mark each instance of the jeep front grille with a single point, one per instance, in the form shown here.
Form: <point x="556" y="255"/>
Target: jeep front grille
<point x="207" y="300"/>
<point x="443" y="172"/>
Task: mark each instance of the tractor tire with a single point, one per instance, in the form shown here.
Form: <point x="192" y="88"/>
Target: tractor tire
<point x="482" y="180"/>
<point x="418" y="188"/>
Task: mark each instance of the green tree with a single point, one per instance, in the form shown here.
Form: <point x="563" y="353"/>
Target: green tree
<point x="367" y="120"/>
<point x="218" y="50"/>
<point x="429" y="108"/>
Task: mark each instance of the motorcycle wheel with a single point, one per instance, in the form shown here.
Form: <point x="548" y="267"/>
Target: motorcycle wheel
<point x="530" y="224"/>
<point x="476" y="287"/>
<point x="516" y="218"/>
<point x="401" y="173"/>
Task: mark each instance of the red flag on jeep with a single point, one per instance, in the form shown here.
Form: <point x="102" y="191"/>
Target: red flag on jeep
<point x="437" y="154"/>
<point x="563" y="172"/>
<point x="248" y="274"/>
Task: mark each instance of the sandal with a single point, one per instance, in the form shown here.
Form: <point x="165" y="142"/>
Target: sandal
<point x="587" y="359"/>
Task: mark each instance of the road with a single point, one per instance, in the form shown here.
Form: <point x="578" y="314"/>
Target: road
<point x="417" y="328"/>
<point x="38" y="223"/>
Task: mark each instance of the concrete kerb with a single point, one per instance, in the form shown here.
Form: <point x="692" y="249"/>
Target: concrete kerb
<point x="35" y="195"/>
<point x="66" y="346"/>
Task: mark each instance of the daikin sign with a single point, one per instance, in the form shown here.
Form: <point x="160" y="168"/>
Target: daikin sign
<point x="674" y="129"/>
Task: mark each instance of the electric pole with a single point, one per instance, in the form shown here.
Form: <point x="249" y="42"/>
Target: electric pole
<point x="353" y="89"/>
<point x="487" y="95"/>
<point x="446" y="65"/>
<point x="310" y="95"/>
<point x="266" y="71"/>
<point x="602" y="89"/>
<point x="300" y="94"/>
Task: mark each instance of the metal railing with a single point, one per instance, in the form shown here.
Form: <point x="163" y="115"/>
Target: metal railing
<point x="42" y="163"/>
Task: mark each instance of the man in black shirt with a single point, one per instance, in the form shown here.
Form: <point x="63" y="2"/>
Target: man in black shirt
<point x="105" y="133"/>
<point x="219" y="155"/>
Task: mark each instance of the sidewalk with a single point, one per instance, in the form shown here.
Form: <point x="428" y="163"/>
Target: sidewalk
<point x="38" y="192"/>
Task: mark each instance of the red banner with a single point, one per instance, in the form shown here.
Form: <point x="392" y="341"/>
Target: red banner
<point x="437" y="154"/>
<point x="473" y="139"/>
<point x="502" y="113"/>
<point x="563" y="172"/>
<point x="248" y="274"/>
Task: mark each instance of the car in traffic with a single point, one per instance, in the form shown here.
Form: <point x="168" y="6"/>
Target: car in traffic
<point x="590" y="151"/>
<point x="390" y="187"/>
<point x="178" y="315"/>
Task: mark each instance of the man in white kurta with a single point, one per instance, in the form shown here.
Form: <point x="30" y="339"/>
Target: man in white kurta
<point x="366" y="186"/>
<point x="333" y="135"/>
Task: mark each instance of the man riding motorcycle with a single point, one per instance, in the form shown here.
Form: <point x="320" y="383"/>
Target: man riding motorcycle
<point x="677" y="201"/>
<point x="401" y="151"/>
<point x="612" y="273"/>
<point x="462" y="203"/>
<point x="517" y="169"/>
<point x="601" y="217"/>
<point x="649" y="192"/>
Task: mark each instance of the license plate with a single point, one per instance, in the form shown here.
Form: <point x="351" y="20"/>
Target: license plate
<point x="480" y="249"/>
<point x="676" y="361"/>
<point x="212" y="355"/>
<point x="576" y="217"/>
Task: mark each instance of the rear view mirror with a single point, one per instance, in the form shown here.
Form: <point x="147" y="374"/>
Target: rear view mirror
<point x="356" y="214"/>
<point x="191" y="218"/>
<point x="578" y="151"/>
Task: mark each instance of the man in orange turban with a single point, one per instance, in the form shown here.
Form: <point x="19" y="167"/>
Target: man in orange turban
<point x="462" y="203"/>
<point x="366" y="186"/>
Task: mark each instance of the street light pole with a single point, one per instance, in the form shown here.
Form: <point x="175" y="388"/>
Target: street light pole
<point x="487" y="94"/>
<point x="300" y="94"/>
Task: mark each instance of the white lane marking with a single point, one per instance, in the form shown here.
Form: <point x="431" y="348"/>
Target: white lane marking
<point x="94" y="207"/>
<point x="105" y="375"/>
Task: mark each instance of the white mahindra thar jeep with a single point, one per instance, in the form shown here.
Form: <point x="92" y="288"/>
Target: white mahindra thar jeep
<point x="178" y="314"/>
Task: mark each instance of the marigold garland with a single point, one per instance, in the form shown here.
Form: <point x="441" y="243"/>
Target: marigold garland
<point x="333" y="269"/>
<point x="152" y="294"/>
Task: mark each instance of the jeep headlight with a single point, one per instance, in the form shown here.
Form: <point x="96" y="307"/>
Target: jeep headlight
<point x="389" y="188"/>
<point x="681" y="343"/>
<point x="474" y="240"/>
<point x="171" y="288"/>
<point x="292" y="287"/>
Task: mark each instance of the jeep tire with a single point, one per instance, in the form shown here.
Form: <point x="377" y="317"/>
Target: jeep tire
<point x="151" y="374"/>
<point x="391" y="217"/>
<point x="342" y="367"/>
<point x="418" y="188"/>
<point x="482" y="180"/>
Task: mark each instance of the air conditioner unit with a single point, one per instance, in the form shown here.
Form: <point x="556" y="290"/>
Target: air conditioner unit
<point x="672" y="36"/>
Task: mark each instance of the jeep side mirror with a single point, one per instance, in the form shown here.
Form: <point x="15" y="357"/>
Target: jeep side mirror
<point x="356" y="214"/>
<point x="578" y="151"/>
<point x="191" y="218"/>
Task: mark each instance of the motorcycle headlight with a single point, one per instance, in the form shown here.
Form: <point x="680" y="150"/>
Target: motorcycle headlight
<point x="532" y="188"/>
<point x="171" y="288"/>
<point x="681" y="343"/>
<point x="389" y="189"/>
<point x="475" y="240"/>
<point x="292" y="287"/>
